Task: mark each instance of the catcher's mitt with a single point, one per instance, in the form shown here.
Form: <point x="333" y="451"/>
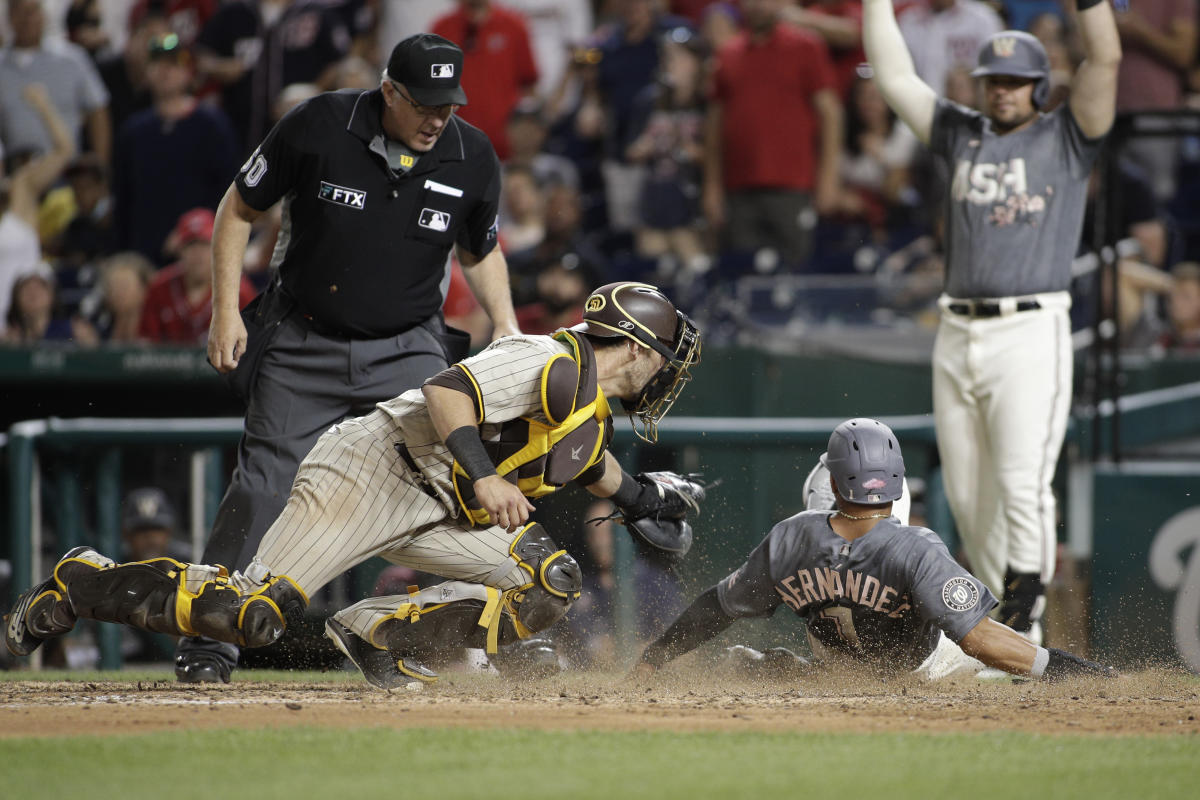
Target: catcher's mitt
<point x="658" y="516"/>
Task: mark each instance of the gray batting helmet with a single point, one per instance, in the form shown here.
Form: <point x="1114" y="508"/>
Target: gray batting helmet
<point x="864" y="459"/>
<point x="1018" y="54"/>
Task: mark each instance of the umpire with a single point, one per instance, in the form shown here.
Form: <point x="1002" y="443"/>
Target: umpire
<point x="376" y="187"/>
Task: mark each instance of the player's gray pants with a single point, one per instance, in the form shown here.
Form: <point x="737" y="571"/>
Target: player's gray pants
<point x="305" y="383"/>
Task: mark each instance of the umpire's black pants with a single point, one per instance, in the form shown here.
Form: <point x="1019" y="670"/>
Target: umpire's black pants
<point x="305" y="382"/>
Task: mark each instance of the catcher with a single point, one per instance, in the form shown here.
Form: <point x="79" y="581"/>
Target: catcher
<point x="438" y="479"/>
<point x="872" y="590"/>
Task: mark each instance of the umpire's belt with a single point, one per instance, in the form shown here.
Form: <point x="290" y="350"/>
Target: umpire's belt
<point x="334" y="332"/>
<point x="418" y="476"/>
<point x="991" y="308"/>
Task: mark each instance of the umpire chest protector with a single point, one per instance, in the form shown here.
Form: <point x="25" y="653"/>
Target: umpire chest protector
<point x="541" y="456"/>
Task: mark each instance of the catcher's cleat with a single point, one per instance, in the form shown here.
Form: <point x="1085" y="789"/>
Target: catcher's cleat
<point x="200" y="668"/>
<point x="382" y="668"/>
<point x="42" y="612"/>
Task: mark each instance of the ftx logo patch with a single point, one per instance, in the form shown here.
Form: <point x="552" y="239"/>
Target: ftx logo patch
<point x="434" y="220"/>
<point x="342" y="196"/>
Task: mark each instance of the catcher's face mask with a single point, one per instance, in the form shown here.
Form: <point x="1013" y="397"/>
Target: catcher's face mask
<point x="662" y="390"/>
<point x="642" y="313"/>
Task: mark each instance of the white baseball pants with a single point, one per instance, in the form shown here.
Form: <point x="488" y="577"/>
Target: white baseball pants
<point x="1001" y="394"/>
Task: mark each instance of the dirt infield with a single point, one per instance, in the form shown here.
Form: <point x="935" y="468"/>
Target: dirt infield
<point x="1145" y="703"/>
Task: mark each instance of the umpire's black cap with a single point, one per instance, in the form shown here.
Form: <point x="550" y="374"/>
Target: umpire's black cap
<point x="430" y="67"/>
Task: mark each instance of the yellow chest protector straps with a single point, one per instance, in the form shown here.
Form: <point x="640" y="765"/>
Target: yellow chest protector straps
<point x="540" y="456"/>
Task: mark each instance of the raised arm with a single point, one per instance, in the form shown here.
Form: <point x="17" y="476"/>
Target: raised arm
<point x="34" y="178"/>
<point x="1094" y="88"/>
<point x="909" y="96"/>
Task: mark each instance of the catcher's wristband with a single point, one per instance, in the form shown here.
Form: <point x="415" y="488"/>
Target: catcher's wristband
<point x="628" y="492"/>
<point x="467" y="449"/>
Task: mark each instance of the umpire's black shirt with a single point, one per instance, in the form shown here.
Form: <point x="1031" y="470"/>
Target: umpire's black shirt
<point x="363" y="249"/>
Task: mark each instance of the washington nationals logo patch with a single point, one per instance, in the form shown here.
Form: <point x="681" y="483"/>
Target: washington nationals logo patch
<point x="959" y="594"/>
<point x="1004" y="46"/>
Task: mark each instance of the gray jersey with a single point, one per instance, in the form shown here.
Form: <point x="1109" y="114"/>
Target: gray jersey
<point x="880" y="599"/>
<point x="1015" y="206"/>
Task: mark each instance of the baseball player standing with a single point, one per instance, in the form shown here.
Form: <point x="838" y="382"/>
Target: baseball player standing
<point x="1002" y="361"/>
<point x="377" y="187"/>
<point x="438" y="479"/>
<point x="872" y="591"/>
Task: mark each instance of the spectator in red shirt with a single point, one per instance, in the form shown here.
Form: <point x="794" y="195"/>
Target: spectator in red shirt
<point x="179" y="299"/>
<point x="498" y="66"/>
<point x="773" y="136"/>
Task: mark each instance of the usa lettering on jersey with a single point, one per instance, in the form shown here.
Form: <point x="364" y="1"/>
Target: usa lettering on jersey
<point x="1004" y="187"/>
<point x="822" y="585"/>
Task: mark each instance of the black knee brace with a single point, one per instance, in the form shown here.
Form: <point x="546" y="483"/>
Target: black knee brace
<point x="167" y="596"/>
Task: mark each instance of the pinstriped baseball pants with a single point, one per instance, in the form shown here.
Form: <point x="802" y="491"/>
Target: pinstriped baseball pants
<point x="354" y="498"/>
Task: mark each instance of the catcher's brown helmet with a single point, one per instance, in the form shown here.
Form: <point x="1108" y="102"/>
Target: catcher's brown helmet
<point x="642" y="313"/>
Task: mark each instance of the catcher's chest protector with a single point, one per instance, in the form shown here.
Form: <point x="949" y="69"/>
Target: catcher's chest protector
<point x="541" y="456"/>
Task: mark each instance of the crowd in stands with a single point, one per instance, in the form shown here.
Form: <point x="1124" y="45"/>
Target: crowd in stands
<point x="687" y="143"/>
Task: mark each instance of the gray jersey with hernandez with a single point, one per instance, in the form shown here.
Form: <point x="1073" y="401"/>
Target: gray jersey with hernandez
<point x="1015" y="207"/>
<point x="880" y="599"/>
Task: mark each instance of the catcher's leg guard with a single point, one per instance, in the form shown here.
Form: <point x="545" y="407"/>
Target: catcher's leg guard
<point x="460" y="614"/>
<point x="555" y="581"/>
<point x="167" y="596"/>
<point x="43" y="612"/>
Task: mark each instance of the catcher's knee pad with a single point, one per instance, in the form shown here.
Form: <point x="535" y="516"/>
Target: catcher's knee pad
<point x="167" y="596"/>
<point x="555" y="581"/>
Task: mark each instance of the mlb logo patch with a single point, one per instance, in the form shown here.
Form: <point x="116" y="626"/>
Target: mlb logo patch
<point x="434" y="220"/>
<point x="441" y="70"/>
<point x="342" y="196"/>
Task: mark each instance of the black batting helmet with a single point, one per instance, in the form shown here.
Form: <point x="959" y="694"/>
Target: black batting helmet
<point x="642" y="313"/>
<point x="1020" y="55"/>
